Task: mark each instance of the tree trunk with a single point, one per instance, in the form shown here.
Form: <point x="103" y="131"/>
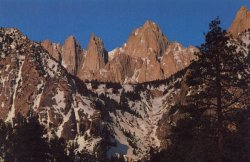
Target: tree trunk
<point x="219" y="113"/>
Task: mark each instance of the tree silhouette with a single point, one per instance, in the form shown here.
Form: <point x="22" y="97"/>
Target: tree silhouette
<point x="212" y="125"/>
<point x="58" y="149"/>
<point x="29" y="143"/>
<point x="221" y="79"/>
<point x="26" y="140"/>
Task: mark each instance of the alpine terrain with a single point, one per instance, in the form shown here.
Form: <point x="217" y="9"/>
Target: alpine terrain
<point x="107" y="103"/>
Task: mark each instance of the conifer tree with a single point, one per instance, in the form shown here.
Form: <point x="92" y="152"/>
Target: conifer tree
<point x="222" y="80"/>
<point x="6" y="133"/>
<point x="58" y="150"/>
<point x="211" y="117"/>
<point x="29" y="143"/>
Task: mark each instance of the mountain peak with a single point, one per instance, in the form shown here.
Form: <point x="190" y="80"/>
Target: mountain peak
<point x="95" y="59"/>
<point x="70" y="54"/>
<point x="150" y="23"/>
<point x="92" y="37"/>
<point x="96" y="39"/>
<point x="241" y="22"/>
<point x="146" y="40"/>
<point x="243" y="8"/>
<point x="71" y="38"/>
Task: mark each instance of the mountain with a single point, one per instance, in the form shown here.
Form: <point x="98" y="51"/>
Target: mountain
<point x="128" y="64"/>
<point x="241" y="22"/>
<point x="89" y="96"/>
<point x="54" y="49"/>
<point x="146" y="40"/>
<point x="146" y="56"/>
<point x="95" y="59"/>
<point x="70" y="54"/>
<point x="116" y="118"/>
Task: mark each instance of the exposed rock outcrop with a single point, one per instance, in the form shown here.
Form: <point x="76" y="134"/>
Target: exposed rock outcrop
<point x="96" y="58"/>
<point x="146" y="40"/>
<point x="148" y="55"/>
<point x="102" y="118"/>
<point x="241" y="22"/>
<point x="70" y="55"/>
<point x="176" y="58"/>
<point x="54" y="49"/>
<point x="30" y="79"/>
<point x="71" y="52"/>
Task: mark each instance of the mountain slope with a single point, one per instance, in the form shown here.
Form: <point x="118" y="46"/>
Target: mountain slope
<point x="105" y="118"/>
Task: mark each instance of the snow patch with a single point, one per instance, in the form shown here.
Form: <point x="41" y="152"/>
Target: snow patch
<point x="65" y="119"/>
<point x="37" y="100"/>
<point x="128" y="87"/>
<point x="111" y="54"/>
<point x="11" y="113"/>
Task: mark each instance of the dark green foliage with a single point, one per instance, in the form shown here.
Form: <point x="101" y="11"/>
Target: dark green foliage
<point x="58" y="150"/>
<point x="117" y="159"/>
<point x="113" y="85"/>
<point x="6" y="133"/>
<point x="95" y="84"/>
<point x="81" y="87"/>
<point x="112" y="105"/>
<point x="238" y="141"/>
<point x="124" y="106"/>
<point x="24" y="140"/>
<point x="132" y="96"/>
<point x="214" y="122"/>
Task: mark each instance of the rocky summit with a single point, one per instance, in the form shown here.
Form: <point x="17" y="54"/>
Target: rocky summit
<point x="95" y="59"/>
<point x="147" y="56"/>
<point x="117" y="118"/>
<point x="146" y="40"/>
<point x="70" y="54"/>
<point x="241" y="22"/>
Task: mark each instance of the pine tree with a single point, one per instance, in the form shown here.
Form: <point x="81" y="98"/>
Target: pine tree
<point x="220" y="73"/>
<point x="28" y="142"/>
<point x="58" y="150"/>
<point x="6" y="133"/>
<point x="219" y="91"/>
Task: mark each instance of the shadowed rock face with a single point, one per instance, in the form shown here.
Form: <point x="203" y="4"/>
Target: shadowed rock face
<point x="241" y="22"/>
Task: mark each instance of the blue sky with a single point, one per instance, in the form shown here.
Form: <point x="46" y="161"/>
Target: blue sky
<point x="113" y="20"/>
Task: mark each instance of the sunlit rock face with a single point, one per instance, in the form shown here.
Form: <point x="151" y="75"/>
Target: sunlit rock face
<point x="146" y="40"/>
<point x="70" y="54"/>
<point x="241" y="22"/>
<point x="54" y="49"/>
<point x="95" y="59"/>
<point x="147" y="55"/>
